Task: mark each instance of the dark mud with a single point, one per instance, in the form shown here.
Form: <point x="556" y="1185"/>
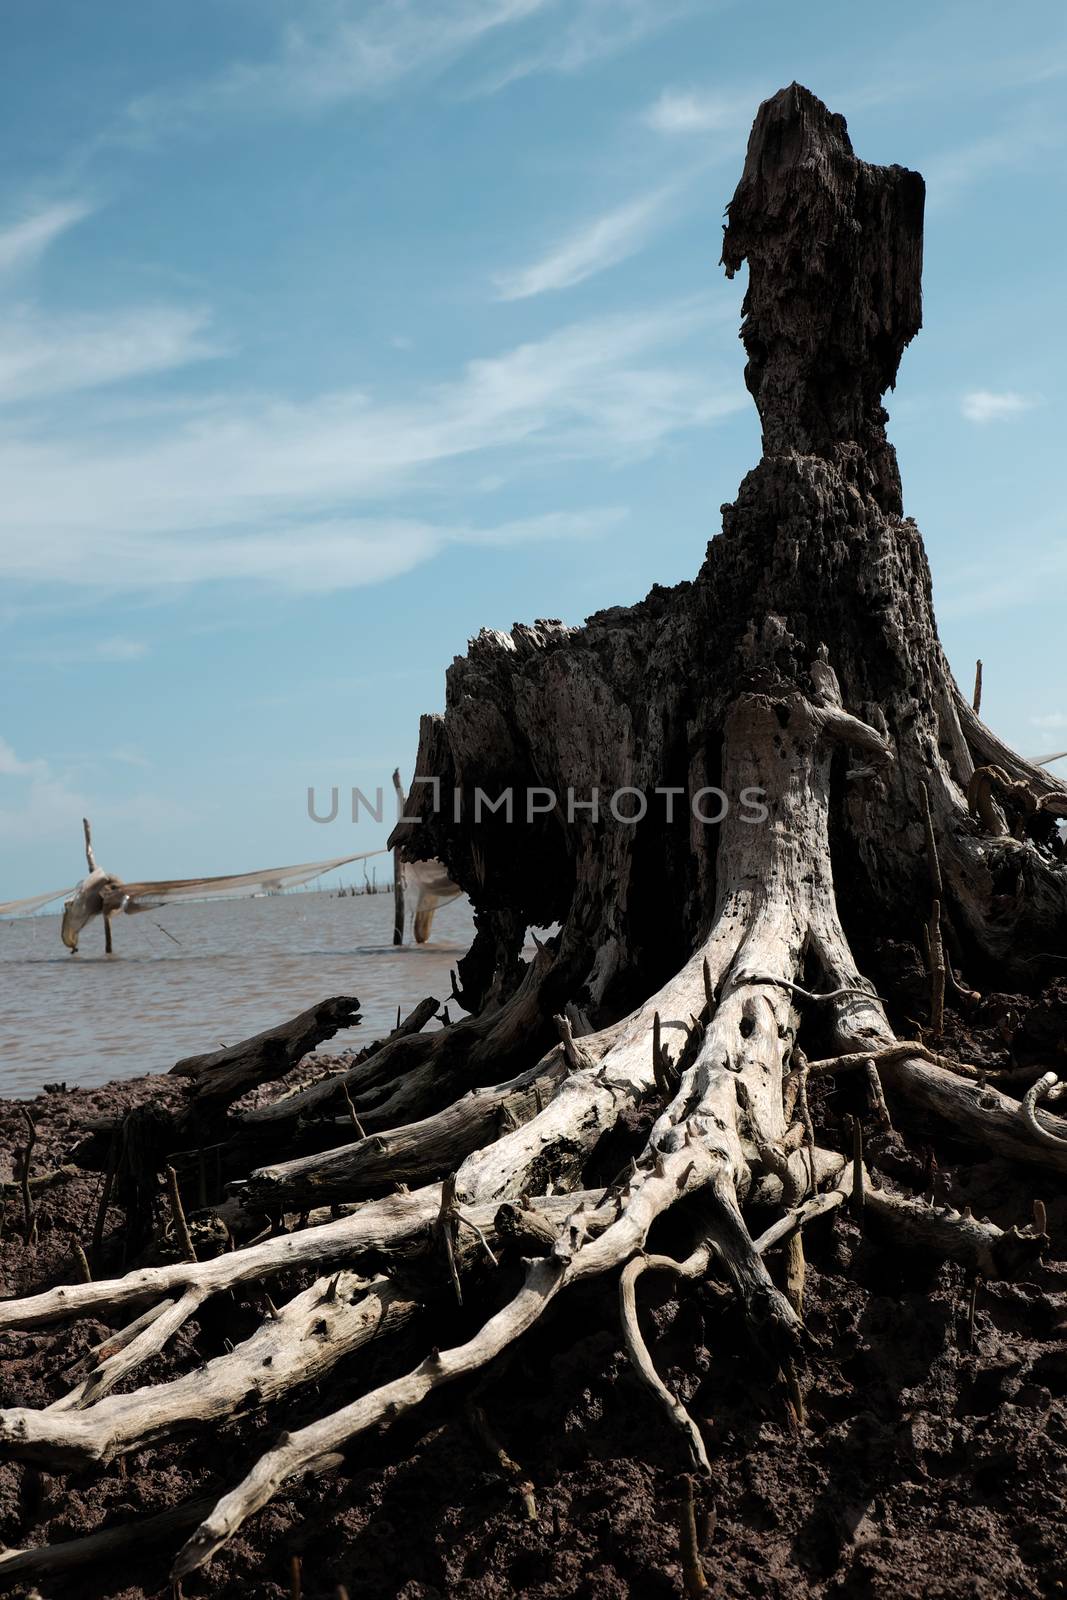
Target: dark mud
<point x="932" y="1463"/>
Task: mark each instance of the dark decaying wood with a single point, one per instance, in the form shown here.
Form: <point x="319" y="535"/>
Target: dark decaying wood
<point x="225" y="1074"/>
<point x="702" y="953"/>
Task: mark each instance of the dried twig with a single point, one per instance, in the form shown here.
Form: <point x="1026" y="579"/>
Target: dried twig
<point x="804" y="1114"/>
<point x="576" y="1058"/>
<point x="662" y="1065"/>
<point x="509" y="1467"/>
<point x="856" y="1199"/>
<point x="693" y="1574"/>
<point x="29" y="1210"/>
<point x="904" y="1050"/>
<point x="446" y="1226"/>
<point x="105" y="1199"/>
<point x="177" y="1211"/>
<point x="935" y="945"/>
<point x="876" y="1097"/>
<point x="352" y="1111"/>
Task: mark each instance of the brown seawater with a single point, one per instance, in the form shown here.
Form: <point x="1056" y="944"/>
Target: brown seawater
<point x="222" y="970"/>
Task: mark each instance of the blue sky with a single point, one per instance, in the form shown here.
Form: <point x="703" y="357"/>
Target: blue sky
<point x="332" y="332"/>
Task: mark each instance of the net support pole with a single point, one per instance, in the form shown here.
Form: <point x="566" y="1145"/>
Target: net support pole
<point x="398" y="866"/>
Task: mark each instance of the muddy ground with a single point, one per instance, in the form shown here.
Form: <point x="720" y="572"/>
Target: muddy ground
<point x="932" y="1463"/>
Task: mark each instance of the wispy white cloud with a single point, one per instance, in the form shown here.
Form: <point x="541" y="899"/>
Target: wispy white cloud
<point x="1016" y="144"/>
<point x="35" y="801"/>
<point x="987" y="405"/>
<point x="128" y="756"/>
<point x="12" y="766"/>
<point x="1050" y="720"/>
<point x="602" y="243"/>
<point x="318" y="556"/>
<point x="115" y="649"/>
<point x="22" y="243"/>
<point x="342" y="50"/>
<point x="46" y="799"/>
<point x="339" y="50"/>
<point x="582" y="32"/>
<point x="290" y="493"/>
<point x="45" y="353"/>
<point x="119" y="649"/>
<point x="682" y="111"/>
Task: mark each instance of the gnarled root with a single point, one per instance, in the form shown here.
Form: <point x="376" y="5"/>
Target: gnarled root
<point x="735" y="1126"/>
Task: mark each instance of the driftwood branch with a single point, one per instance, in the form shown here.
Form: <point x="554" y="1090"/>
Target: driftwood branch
<point x="223" y="1075"/>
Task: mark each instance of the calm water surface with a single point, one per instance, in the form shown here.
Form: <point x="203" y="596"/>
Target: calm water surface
<point x="238" y="966"/>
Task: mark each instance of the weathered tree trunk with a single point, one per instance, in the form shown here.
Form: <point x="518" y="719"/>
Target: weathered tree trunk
<point x="703" y="948"/>
<point x="816" y="576"/>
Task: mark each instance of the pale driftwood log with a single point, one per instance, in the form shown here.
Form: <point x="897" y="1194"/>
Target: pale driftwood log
<point x="225" y="1074"/>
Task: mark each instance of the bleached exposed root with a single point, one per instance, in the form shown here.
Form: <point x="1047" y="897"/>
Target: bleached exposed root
<point x="694" y="1266"/>
<point x="729" y="1104"/>
<point x="377" y="1225"/>
<point x="1047" y="1087"/>
<point x="300" y="1344"/>
<point x="701" y="1142"/>
<point x="736" y="1126"/>
<point x="797" y="1217"/>
<point x="944" y="1232"/>
<point x="993" y="751"/>
<point x="399" y="1081"/>
<point x="906" y="1050"/>
<point x="414" y="1152"/>
<point x="153" y="1334"/>
<point x="976" y="1109"/>
<point x="296" y="1453"/>
<point x="979" y="1245"/>
<point x="578" y="1254"/>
